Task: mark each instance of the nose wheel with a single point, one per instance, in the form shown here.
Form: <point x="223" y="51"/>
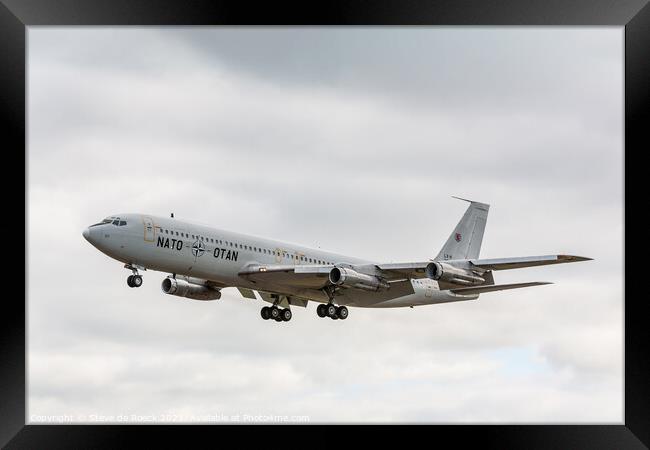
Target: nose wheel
<point x="134" y="280"/>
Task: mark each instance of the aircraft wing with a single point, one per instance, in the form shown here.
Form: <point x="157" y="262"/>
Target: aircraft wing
<point x="313" y="276"/>
<point x="310" y="277"/>
<point x="417" y="269"/>
<point x="399" y="271"/>
<point x="524" y="261"/>
<point x="316" y="277"/>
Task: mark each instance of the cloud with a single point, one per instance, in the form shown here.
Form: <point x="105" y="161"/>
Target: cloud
<point x="351" y="140"/>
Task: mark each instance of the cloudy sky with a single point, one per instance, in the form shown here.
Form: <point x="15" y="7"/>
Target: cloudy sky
<point x="352" y="140"/>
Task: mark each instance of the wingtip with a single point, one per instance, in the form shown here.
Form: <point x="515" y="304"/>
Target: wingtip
<point x="573" y="258"/>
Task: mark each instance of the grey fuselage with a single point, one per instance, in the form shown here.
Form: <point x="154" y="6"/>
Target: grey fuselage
<point x="183" y="248"/>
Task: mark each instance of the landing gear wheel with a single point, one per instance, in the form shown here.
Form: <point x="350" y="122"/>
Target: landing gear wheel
<point x="275" y="313"/>
<point x="342" y="312"/>
<point x="286" y="315"/>
<point x="321" y="310"/>
<point x="136" y="281"/>
<point x="129" y="280"/>
<point x="266" y="313"/>
<point x="331" y="310"/>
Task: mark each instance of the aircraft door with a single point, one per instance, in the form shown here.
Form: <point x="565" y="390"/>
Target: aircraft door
<point x="149" y="229"/>
<point x="429" y="291"/>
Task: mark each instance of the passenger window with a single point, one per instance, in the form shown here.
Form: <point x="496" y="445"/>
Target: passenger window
<point x="122" y="222"/>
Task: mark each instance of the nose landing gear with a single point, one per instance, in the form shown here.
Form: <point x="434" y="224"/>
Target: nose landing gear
<point x="134" y="280"/>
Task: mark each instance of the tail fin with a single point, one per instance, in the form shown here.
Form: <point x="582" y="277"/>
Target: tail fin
<point x="465" y="241"/>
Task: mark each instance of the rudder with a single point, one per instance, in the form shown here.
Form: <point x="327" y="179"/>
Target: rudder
<point x="466" y="239"/>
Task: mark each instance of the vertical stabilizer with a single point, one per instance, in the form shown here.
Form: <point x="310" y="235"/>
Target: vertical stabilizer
<point x="465" y="241"/>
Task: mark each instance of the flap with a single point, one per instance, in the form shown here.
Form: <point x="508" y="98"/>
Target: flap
<point x="248" y="293"/>
<point x="301" y="276"/>
<point x="397" y="271"/>
<point x="285" y="300"/>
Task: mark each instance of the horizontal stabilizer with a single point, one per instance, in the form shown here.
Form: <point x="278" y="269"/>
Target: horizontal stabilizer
<point x="525" y="261"/>
<point x="496" y="287"/>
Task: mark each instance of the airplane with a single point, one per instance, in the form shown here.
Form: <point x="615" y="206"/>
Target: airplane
<point x="201" y="261"/>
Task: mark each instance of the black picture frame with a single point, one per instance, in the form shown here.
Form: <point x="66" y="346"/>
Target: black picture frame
<point x="16" y="15"/>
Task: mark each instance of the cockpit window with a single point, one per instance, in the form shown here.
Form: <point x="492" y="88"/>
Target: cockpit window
<point x="107" y="220"/>
<point x="112" y="220"/>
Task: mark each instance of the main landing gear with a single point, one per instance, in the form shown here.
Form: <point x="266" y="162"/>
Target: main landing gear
<point x="331" y="310"/>
<point x="134" y="280"/>
<point x="275" y="313"/>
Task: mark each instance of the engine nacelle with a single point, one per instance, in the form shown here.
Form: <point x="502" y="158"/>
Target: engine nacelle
<point x="351" y="278"/>
<point x="441" y="271"/>
<point x="183" y="288"/>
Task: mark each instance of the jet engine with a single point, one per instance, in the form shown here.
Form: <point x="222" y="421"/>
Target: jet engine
<point x="184" y="288"/>
<point x="441" y="271"/>
<point x="351" y="278"/>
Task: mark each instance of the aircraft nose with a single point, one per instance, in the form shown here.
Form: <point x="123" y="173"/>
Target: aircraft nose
<point x="86" y="234"/>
